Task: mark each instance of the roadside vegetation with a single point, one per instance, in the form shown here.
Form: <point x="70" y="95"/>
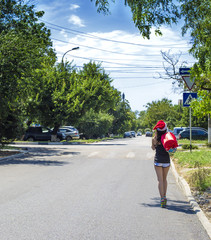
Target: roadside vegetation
<point x="195" y="165"/>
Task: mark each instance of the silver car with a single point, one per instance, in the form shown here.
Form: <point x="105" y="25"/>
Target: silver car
<point x="70" y="132"/>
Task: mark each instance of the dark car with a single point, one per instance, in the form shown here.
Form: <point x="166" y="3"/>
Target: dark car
<point x="41" y="134"/>
<point x="148" y="134"/>
<point x="128" y="134"/>
<point x="196" y="134"/>
<point x="133" y="133"/>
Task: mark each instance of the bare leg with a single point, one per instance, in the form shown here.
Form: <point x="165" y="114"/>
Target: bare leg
<point x="165" y="173"/>
<point x="159" y="172"/>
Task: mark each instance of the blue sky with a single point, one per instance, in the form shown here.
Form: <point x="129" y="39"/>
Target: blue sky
<point x="132" y="62"/>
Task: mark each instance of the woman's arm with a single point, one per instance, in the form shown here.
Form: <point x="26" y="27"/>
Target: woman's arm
<point x="154" y="143"/>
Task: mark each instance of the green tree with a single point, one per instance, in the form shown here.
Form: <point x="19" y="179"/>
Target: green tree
<point x="184" y="119"/>
<point x="63" y="95"/>
<point x="196" y="16"/>
<point x="124" y="118"/>
<point x="95" y="125"/>
<point x="157" y="110"/>
<point x="24" y="44"/>
<point x="149" y="13"/>
<point x="142" y="123"/>
<point x="95" y="89"/>
<point x="51" y="101"/>
<point x="202" y="105"/>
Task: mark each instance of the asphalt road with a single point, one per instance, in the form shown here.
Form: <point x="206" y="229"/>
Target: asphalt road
<point x="104" y="191"/>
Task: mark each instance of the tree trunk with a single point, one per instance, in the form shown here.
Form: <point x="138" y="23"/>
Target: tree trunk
<point x="54" y="134"/>
<point x="53" y="138"/>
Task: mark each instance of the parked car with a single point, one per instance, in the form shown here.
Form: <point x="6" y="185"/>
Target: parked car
<point x="128" y="134"/>
<point x="133" y="133"/>
<point x="139" y="134"/>
<point x="196" y="134"/>
<point x="70" y="127"/>
<point x="195" y="128"/>
<point x="148" y="134"/>
<point x="41" y="134"/>
<point x="70" y="133"/>
<point x="177" y="130"/>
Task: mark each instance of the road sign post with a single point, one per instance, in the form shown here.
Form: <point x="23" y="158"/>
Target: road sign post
<point x="190" y="131"/>
<point x="187" y="98"/>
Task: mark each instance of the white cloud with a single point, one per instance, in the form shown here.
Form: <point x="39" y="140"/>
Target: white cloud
<point x="138" y="83"/>
<point x="64" y="33"/>
<point x="76" y="21"/>
<point x="74" y="6"/>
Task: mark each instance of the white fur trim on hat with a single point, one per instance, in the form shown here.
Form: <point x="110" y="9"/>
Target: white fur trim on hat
<point x="163" y="129"/>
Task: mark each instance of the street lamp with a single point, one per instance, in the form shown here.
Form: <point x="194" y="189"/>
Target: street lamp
<point x="75" y="48"/>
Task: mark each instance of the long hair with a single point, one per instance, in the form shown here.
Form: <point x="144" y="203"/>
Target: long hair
<point x="159" y="134"/>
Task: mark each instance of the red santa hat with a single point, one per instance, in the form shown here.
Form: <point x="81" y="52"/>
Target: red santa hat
<point x="160" y="126"/>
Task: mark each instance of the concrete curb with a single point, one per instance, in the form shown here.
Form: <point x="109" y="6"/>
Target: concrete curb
<point x="186" y="189"/>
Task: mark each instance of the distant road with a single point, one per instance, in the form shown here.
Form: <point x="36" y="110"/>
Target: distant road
<point x="103" y="191"/>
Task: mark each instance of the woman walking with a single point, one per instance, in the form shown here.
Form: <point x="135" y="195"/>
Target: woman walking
<point x="161" y="160"/>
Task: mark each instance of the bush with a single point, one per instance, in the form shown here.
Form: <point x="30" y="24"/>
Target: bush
<point x="187" y="146"/>
<point x="208" y="145"/>
<point x="95" y="125"/>
<point x="201" y="178"/>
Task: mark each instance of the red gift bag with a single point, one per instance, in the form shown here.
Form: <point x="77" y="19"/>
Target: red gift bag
<point x="169" y="141"/>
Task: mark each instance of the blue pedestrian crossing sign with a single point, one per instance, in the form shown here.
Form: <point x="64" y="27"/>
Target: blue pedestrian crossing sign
<point x="187" y="98"/>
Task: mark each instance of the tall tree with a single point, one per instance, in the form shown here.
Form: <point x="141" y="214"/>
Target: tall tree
<point x="24" y="44"/>
<point x="124" y="118"/>
<point x="196" y="16"/>
<point x="63" y="95"/>
<point x="95" y="88"/>
<point x="157" y="110"/>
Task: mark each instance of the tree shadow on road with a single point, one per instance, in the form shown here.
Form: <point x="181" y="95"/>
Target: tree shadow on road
<point x="173" y="205"/>
<point x="105" y="144"/>
<point x="39" y="156"/>
<point x="33" y="162"/>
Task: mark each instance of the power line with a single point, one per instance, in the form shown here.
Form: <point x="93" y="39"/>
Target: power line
<point x="138" y="86"/>
<point x="131" y="77"/>
<point x="135" y="72"/>
<point x="106" y="39"/>
<point x="108" y="51"/>
<point x="121" y="64"/>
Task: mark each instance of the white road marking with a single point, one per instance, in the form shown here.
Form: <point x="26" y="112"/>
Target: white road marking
<point x="93" y="154"/>
<point x="130" y="155"/>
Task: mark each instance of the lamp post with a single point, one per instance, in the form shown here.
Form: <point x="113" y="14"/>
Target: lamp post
<point x="75" y="48"/>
